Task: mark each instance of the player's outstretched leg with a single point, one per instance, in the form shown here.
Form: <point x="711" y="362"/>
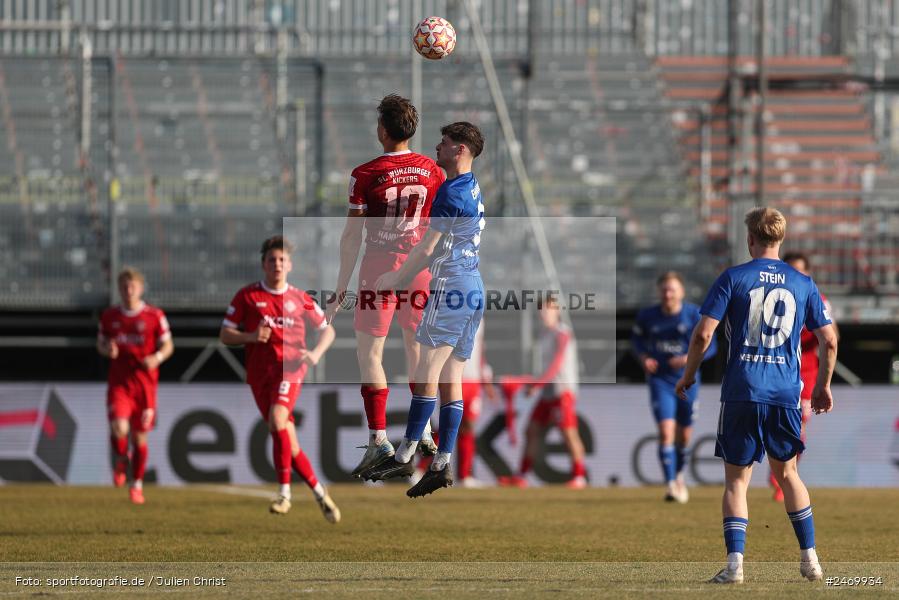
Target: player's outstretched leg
<point x="303" y="467"/>
<point x="400" y="463"/>
<point x="438" y="475"/>
<point x="379" y="448"/>
<point x="799" y="510"/>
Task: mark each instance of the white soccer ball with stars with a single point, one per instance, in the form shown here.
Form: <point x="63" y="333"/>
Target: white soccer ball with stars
<point x="434" y="38"/>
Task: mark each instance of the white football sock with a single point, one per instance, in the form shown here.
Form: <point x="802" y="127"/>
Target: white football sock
<point x="734" y="560"/>
<point x="426" y="435"/>
<point x="284" y="490"/>
<point x="406" y="450"/>
<point x="809" y="555"/>
<point x="318" y="491"/>
<point x="376" y="437"/>
<point x="138" y="484"/>
<point x="441" y="461"/>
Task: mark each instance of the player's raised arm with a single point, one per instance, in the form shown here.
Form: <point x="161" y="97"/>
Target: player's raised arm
<point x="822" y="400"/>
<point x="699" y="343"/>
<point x="350" y="243"/>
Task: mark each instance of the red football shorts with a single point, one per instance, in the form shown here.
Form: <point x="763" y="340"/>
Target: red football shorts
<point x="471" y="401"/>
<point x="556" y="410"/>
<point x="270" y="392"/>
<point x="374" y="311"/>
<point x="129" y="400"/>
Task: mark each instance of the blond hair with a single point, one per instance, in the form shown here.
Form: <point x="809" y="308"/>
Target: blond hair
<point x="128" y="274"/>
<point x="767" y="225"/>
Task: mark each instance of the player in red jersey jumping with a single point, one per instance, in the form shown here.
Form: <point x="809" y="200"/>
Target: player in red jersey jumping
<point x="808" y="366"/>
<point x="135" y="337"/>
<point x="391" y="196"/>
<point x="270" y="319"/>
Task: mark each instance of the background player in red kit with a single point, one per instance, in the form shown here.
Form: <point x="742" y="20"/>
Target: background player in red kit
<point x="808" y="367"/>
<point x="393" y="194"/>
<point x="270" y="318"/>
<point x="135" y="337"/>
<point x="558" y="388"/>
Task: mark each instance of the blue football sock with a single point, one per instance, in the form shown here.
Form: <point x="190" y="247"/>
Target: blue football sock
<point x="804" y="526"/>
<point x="419" y="413"/>
<point x="682" y="455"/>
<point x="735" y="534"/>
<point x="450" y="419"/>
<point x="667" y="458"/>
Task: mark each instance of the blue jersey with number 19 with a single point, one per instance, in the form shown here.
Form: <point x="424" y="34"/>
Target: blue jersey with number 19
<point x="764" y="304"/>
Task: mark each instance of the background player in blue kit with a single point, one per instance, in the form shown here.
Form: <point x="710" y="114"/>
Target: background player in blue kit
<point x="660" y="340"/>
<point x="764" y="303"/>
<point x="453" y="312"/>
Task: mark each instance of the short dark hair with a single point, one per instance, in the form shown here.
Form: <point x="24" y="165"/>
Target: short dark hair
<point x="465" y="133"/>
<point x="796" y="255"/>
<point x="398" y="117"/>
<point x="276" y="242"/>
<point x="670" y="275"/>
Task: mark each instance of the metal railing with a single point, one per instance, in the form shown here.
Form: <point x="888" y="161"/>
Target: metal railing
<point x="514" y="27"/>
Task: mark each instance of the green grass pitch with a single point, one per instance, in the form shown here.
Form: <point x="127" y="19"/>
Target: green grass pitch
<point x="538" y="542"/>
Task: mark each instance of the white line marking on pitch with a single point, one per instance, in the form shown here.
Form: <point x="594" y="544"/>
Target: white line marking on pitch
<point x="233" y="490"/>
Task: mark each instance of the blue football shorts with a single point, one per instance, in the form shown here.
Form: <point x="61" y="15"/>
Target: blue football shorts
<point x="453" y="314"/>
<point x="666" y="404"/>
<point x="749" y="430"/>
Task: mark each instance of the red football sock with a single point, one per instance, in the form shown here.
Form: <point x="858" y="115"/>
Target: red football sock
<point x="139" y="461"/>
<point x="526" y="463"/>
<point x="465" y="447"/>
<point x="281" y="454"/>
<point x="119" y="447"/>
<point x="303" y="467"/>
<point x="578" y="469"/>
<point x="375" y="401"/>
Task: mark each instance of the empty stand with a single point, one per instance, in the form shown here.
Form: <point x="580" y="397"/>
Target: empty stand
<point x="819" y="144"/>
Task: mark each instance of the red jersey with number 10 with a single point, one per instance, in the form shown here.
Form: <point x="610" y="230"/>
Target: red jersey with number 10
<point x="396" y="191"/>
<point x="289" y="313"/>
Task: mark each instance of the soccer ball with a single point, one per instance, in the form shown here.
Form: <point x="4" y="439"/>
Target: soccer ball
<point x="434" y="38"/>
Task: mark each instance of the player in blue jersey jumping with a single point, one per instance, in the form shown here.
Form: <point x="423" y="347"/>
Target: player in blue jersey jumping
<point x="454" y="308"/>
<point x="660" y="339"/>
<point x="764" y="303"/>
